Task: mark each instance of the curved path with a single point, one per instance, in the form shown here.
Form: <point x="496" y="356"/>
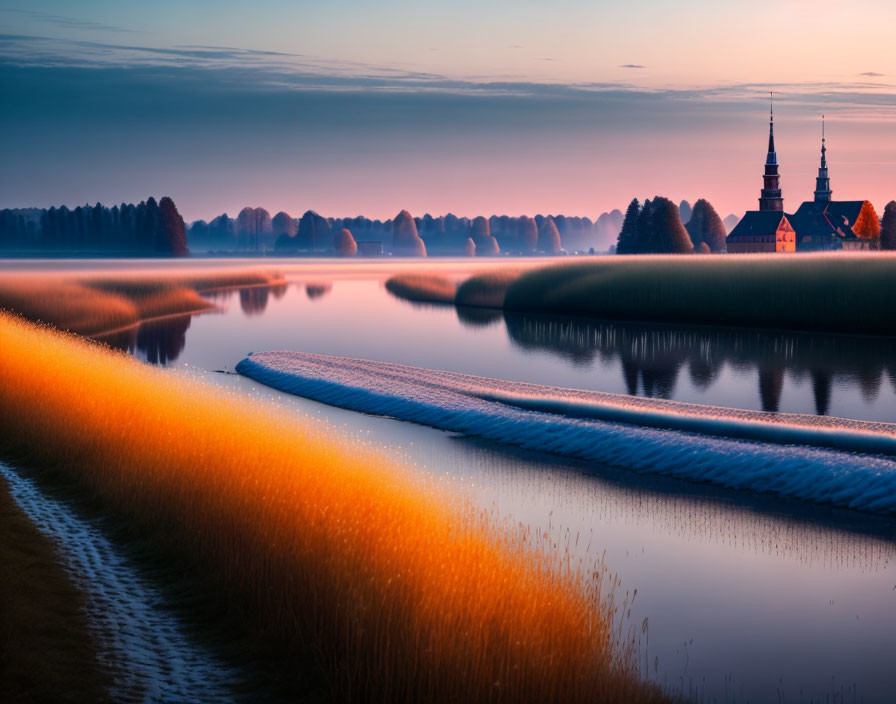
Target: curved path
<point x="139" y="639"/>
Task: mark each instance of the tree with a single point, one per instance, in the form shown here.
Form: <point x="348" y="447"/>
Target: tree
<point x="549" y="237"/>
<point x="628" y="235"/>
<point x="405" y="240"/>
<point x="867" y="225"/>
<point x="668" y="235"/>
<point x="174" y="232"/>
<point x="644" y="239"/>
<point x="685" y="211"/>
<point x="469" y="247"/>
<point x="313" y="232"/>
<point x="528" y="234"/>
<point x="888" y="227"/>
<point x="706" y="227"/>
<point x="344" y="244"/>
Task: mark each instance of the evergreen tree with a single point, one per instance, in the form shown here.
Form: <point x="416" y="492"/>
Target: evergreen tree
<point x="644" y="240"/>
<point x="628" y="235"/>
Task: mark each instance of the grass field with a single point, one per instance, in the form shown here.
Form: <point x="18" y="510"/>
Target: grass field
<point x="320" y="545"/>
<point x="836" y="292"/>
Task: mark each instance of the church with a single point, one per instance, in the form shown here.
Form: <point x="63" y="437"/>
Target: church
<point x="818" y="225"/>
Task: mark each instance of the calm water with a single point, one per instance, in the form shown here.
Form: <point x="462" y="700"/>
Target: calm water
<point x="747" y="598"/>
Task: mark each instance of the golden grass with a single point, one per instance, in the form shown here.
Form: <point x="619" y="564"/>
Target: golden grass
<point x="422" y="288"/>
<point x="403" y="592"/>
<point x="838" y="292"/>
<point x="46" y="652"/>
<point x="96" y="304"/>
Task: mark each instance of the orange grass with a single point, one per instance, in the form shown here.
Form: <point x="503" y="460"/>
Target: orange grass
<point x="402" y="591"/>
<point x="91" y="305"/>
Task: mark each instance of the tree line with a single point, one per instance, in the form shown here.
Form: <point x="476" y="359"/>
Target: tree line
<point x="656" y="227"/>
<point x="254" y="229"/>
<point x="149" y="228"/>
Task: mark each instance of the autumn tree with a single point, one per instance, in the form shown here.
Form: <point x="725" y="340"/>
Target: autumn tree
<point x="344" y="244"/>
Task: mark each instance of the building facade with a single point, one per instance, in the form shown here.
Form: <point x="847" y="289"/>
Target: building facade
<point x="821" y="224"/>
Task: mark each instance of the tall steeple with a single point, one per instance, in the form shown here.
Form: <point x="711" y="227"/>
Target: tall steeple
<point x="770" y="197"/>
<point x="823" y="191"/>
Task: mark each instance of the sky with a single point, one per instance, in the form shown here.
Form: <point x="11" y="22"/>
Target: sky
<point x="350" y="107"/>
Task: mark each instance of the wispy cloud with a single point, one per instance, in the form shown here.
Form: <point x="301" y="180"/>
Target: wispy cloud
<point x="631" y="66"/>
<point x="244" y="70"/>
<point x="65" y="22"/>
<point x="872" y="74"/>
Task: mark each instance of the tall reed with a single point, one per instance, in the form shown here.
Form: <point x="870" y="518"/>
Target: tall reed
<point x="402" y="591"/>
<point x="93" y="304"/>
<point x="838" y="292"/>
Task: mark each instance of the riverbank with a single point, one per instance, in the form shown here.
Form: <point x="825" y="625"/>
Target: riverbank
<point x="321" y="546"/>
<point x="46" y="651"/>
<point x="830" y="292"/>
<point x="92" y="304"/>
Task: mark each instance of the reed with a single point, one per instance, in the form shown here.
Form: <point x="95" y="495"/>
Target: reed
<point x="838" y="292"/>
<point x="486" y="290"/>
<point x="422" y="288"/>
<point x="323" y="545"/>
<point x="90" y="305"/>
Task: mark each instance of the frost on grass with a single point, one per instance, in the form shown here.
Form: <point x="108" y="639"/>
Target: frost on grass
<point x="844" y="463"/>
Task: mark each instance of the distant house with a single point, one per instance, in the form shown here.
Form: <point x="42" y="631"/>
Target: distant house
<point x="370" y="248"/>
<point x="817" y="225"/>
<point x="845" y="224"/>
<point x="762" y="231"/>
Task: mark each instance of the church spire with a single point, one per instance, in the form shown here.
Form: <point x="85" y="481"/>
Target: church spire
<point x="823" y="191"/>
<point x="770" y="196"/>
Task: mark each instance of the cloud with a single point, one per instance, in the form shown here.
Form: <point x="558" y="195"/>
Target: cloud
<point x="872" y="74"/>
<point x="631" y="66"/>
<point x="223" y="69"/>
<point x="65" y="21"/>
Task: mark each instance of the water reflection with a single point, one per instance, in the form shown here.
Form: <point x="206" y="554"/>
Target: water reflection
<point x="254" y="300"/>
<point x="471" y="317"/>
<point x="156" y="341"/>
<point x="651" y="357"/>
<point x="318" y="290"/>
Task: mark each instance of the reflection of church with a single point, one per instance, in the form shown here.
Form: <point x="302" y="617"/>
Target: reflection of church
<point x="817" y="225"/>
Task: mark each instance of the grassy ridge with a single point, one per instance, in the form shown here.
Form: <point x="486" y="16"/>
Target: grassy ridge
<point x="46" y="652"/>
<point x="91" y="305"/>
<point x="422" y="288"/>
<point x="835" y="292"/>
<point x="322" y="545"/>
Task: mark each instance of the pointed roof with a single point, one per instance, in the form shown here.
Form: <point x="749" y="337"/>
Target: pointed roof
<point x="823" y="191"/>
<point x="772" y="158"/>
<point x="757" y="223"/>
